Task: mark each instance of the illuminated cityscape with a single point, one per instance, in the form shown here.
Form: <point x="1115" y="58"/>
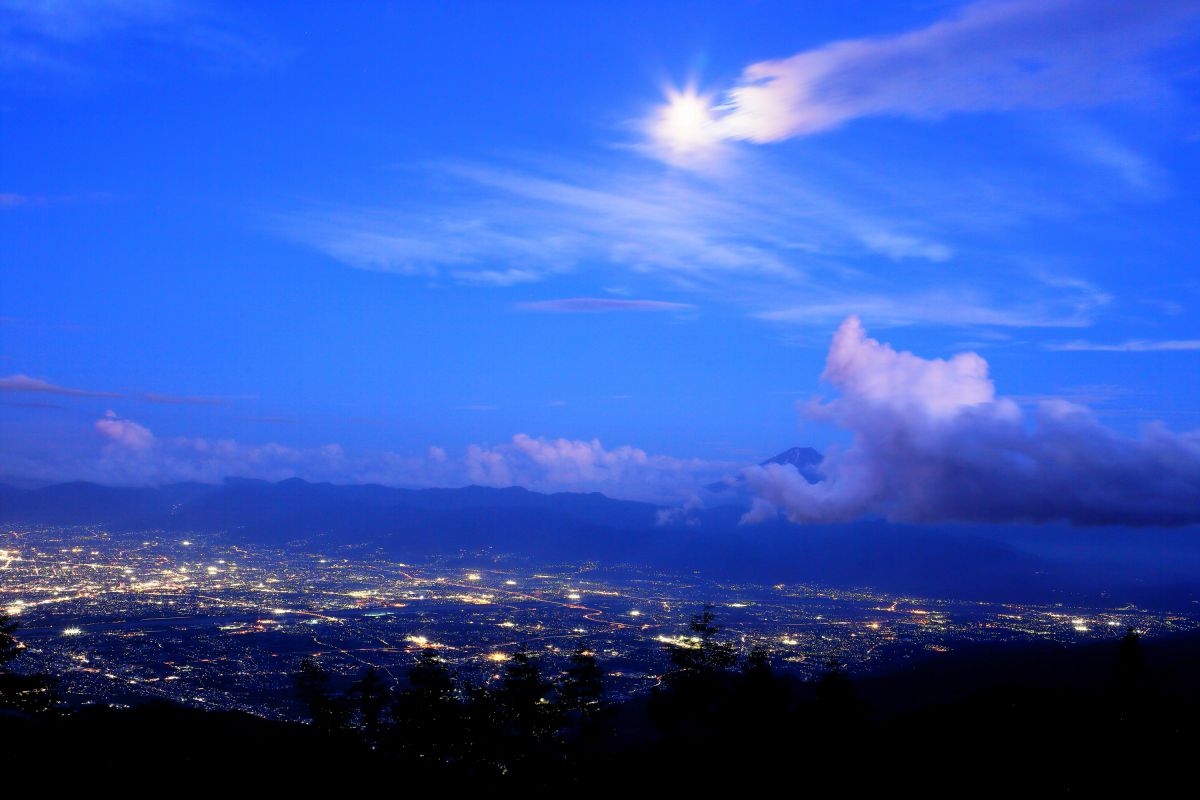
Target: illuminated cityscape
<point x="200" y="621"/>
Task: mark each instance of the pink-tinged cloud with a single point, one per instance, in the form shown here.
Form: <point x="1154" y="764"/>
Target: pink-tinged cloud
<point x="932" y="441"/>
<point x="126" y="452"/>
<point x="24" y="383"/>
<point x="123" y="432"/>
<point x="593" y="305"/>
<point x="586" y="466"/>
<point x="991" y="56"/>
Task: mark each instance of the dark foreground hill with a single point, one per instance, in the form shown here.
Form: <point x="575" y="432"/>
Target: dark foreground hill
<point x="1117" y="717"/>
<point x="1032" y="564"/>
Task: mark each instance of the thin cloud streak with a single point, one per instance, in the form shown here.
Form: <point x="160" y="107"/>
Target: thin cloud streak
<point x="24" y="383"/>
<point x="1131" y="346"/>
<point x="184" y="400"/>
<point x="592" y="305"/>
<point x="1073" y="307"/>
<point x="54" y="37"/>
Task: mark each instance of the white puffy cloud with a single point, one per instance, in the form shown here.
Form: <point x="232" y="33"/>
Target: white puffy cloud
<point x="124" y="432"/>
<point x="932" y="441"/>
<point x="576" y="465"/>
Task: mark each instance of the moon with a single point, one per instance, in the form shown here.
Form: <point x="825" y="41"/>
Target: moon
<point x="686" y="123"/>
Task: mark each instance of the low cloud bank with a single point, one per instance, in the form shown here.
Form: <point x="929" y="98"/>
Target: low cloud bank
<point x="123" y="451"/>
<point x="933" y="442"/>
<point x="573" y="465"/>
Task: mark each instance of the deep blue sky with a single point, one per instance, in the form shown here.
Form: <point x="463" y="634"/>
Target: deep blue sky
<point x="353" y="224"/>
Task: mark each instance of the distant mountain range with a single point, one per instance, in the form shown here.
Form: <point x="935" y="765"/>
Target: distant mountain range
<point x="975" y="562"/>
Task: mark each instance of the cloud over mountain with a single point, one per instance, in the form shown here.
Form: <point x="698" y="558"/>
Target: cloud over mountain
<point x="124" y="452"/>
<point x="933" y="441"/>
<point x="574" y="465"/>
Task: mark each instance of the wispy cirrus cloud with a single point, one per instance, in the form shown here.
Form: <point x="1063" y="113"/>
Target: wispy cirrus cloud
<point x="1072" y="305"/>
<point x="990" y="56"/>
<point x="27" y="384"/>
<point x="14" y="200"/>
<point x="69" y="37"/>
<point x="1091" y="146"/>
<point x="796" y="247"/>
<point x="750" y="235"/>
<point x="538" y="222"/>
<point x="24" y="383"/>
<point x="1131" y="346"/>
<point x="593" y="305"/>
<point x="184" y="400"/>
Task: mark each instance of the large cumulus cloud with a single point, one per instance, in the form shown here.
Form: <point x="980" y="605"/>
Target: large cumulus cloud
<point x="932" y="441"/>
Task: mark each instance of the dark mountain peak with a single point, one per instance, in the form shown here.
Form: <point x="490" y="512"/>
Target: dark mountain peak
<point x="294" y="482"/>
<point x="245" y="482"/>
<point x="515" y="491"/>
<point x="798" y="457"/>
<point x="804" y="459"/>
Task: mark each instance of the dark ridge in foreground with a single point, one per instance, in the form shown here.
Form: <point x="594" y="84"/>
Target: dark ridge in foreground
<point x="1117" y="716"/>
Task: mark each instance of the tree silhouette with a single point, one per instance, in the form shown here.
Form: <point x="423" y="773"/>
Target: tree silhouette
<point x="692" y="703"/>
<point x="370" y="694"/>
<point x="1131" y="659"/>
<point x="10" y="648"/>
<point x="704" y="654"/>
<point x="28" y="693"/>
<point x="428" y="717"/>
<point x="524" y="696"/>
<point x="757" y="666"/>
<point x="1129" y="677"/>
<point x="582" y="686"/>
<point x="430" y="676"/>
<point x="585" y="716"/>
<point x="838" y="706"/>
<point x="326" y="709"/>
<point x="762" y="693"/>
<point x="515" y="727"/>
